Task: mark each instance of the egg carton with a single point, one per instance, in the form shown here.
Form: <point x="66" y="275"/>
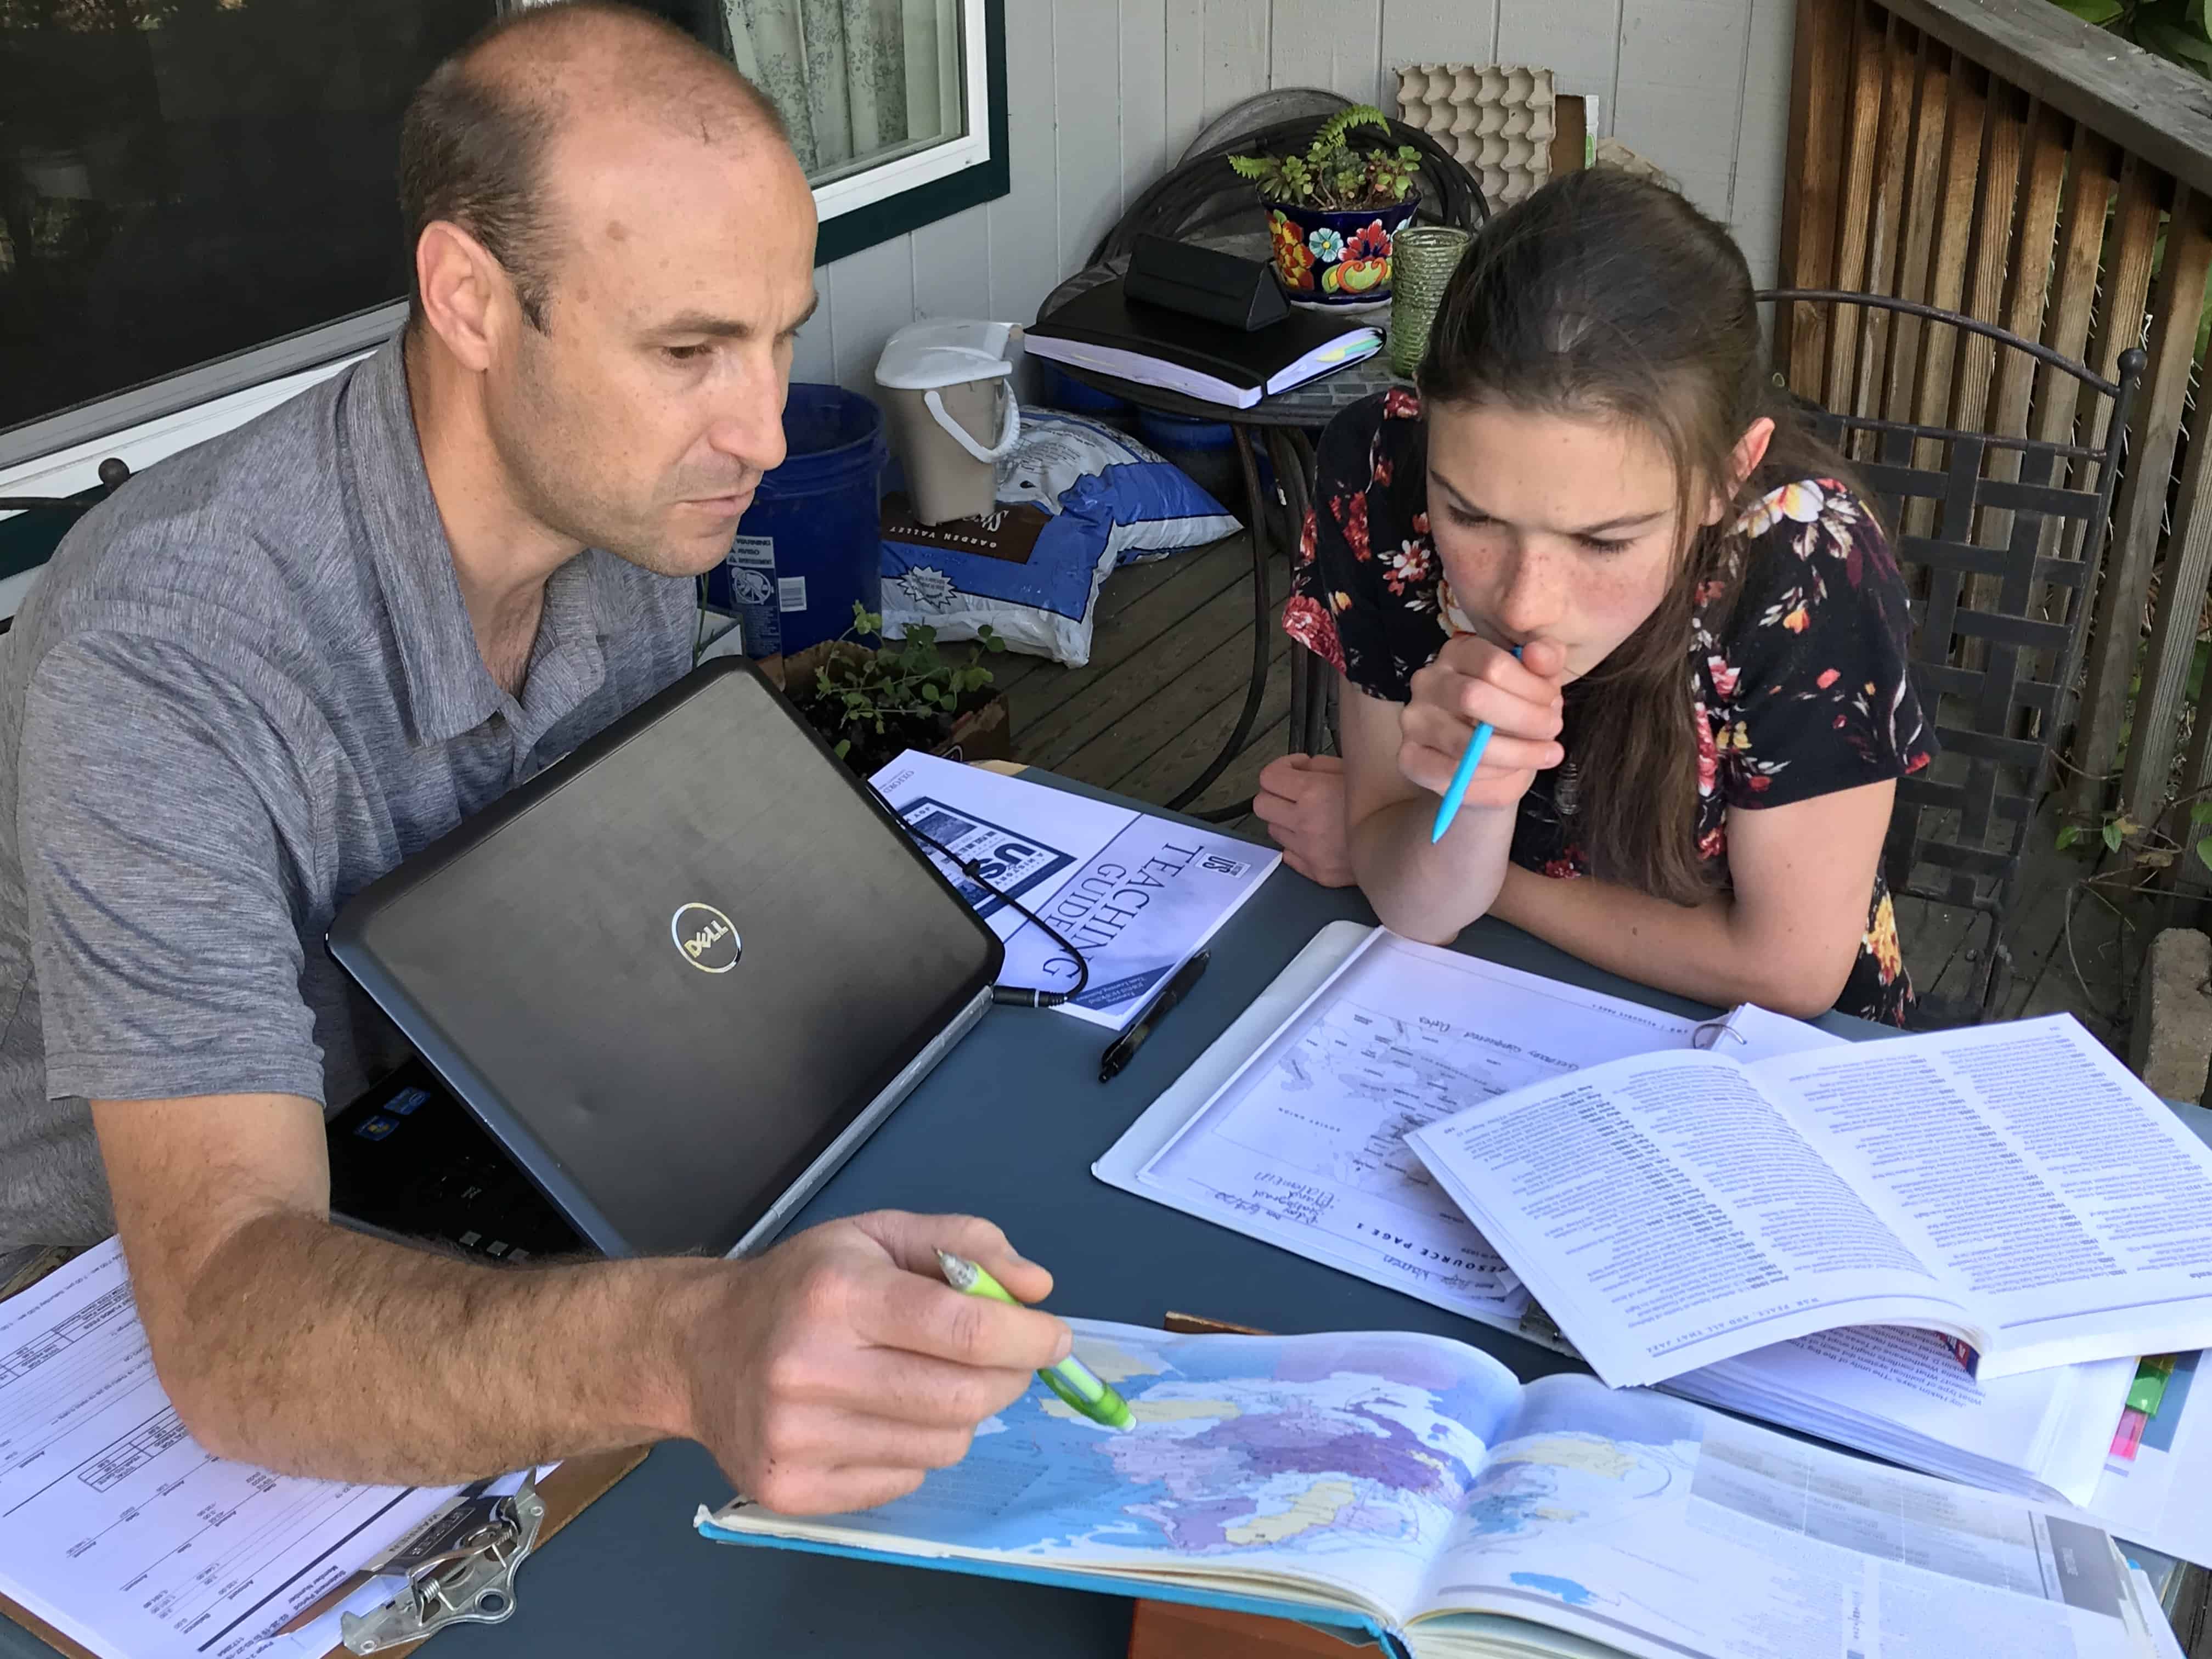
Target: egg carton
<point x="1498" y="119"/>
<point x="1612" y="152"/>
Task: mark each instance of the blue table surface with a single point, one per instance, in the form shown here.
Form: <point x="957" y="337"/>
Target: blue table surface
<point x="629" y="1575"/>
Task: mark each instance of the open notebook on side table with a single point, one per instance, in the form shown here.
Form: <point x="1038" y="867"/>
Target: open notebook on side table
<point x="1101" y="330"/>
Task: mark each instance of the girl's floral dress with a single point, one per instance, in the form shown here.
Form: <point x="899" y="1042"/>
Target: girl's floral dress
<point x="1799" y="685"/>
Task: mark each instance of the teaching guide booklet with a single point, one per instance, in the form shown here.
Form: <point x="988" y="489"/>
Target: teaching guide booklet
<point x="1137" y="895"/>
<point x="1407" y="1486"/>
<point x="2011" y="1186"/>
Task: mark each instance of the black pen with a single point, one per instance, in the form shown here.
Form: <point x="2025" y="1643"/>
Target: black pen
<point x="1124" y="1046"/>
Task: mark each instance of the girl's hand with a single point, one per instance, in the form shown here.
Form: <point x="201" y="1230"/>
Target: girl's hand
<point x="1301" y="800"/>
<point x="1473" y="681"/>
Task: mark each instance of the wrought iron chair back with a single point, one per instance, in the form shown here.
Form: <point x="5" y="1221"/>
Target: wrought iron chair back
<point x="1999" y="537"/>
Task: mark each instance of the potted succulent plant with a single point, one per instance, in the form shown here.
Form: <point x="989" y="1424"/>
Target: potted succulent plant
<point x="1333" y="211"/>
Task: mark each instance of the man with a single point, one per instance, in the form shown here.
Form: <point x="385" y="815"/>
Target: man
<point x="271" y="668"/>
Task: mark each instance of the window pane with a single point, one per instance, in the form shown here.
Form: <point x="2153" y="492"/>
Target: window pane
<point x="858" y="81"/>
<point x="180" y="179"/>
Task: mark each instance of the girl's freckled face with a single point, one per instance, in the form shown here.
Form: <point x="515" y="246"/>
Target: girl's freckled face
<point x="1551" y="526"/>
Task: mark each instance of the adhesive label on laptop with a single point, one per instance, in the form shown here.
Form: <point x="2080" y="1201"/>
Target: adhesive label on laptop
<point x="1012" y="862"/>
<point x="376" y="1127"/>
<point x="407" y="1102"/>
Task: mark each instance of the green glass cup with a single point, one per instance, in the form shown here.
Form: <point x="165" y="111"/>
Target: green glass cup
<point x="1422" y="261"/>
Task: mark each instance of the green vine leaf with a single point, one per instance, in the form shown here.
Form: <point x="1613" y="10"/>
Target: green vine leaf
<point x="2204" y="852"/>
<point x="2113" y="837"/>
<point x="2068" y="836"/>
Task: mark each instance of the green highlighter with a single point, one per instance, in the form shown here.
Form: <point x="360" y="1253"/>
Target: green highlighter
<point x="1071" y="1379"/>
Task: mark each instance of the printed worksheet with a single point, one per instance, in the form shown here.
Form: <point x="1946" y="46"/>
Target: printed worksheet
<point x="116" y="1527"/>
<point x="1305" y="1145"/>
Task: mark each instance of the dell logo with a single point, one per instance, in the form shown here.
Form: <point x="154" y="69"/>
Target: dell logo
<point x="707" y="937"/>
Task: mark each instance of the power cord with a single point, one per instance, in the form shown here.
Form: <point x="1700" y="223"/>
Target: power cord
<point x="1012" y="996"/>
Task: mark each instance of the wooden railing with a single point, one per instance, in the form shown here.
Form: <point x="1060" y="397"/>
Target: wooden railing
<point x="2002" y="159"/>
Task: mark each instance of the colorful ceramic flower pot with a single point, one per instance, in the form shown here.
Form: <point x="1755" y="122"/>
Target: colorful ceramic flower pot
<point x="1335" y="256"/>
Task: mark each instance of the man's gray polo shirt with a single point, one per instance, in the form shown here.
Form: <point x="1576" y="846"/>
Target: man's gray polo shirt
<point x="246" y="687"/>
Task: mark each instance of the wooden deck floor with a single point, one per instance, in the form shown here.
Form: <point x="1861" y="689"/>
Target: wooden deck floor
<point x="1172" y="654"/>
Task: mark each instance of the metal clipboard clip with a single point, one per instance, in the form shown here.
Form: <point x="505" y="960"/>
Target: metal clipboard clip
<point x="459" y="1572"/>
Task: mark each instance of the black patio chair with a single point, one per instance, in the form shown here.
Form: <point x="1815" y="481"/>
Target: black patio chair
<point x="1202" y="196"/>
<point x="2001" y="574"/>
<point x="27" y="542"/>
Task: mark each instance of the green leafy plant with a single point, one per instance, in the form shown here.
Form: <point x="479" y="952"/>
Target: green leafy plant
<point x="1333" y="172"/>
<point x="2175" y="30"/>
<point x="907" y="682"/>
<point x="2144" y="847"/>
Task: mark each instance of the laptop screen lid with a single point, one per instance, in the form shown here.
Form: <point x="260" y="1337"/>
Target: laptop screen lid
<point x="680" y="974"/>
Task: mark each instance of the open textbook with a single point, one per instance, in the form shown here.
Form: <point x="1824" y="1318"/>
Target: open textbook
<point x="1289" y="1129"/>
<point x="1407" y="1488"/>
<point x="2010" y="1186"/>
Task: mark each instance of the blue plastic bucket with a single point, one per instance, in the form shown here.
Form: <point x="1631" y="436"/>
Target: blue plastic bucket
<point x="1205" y="450"/>
<point x="807" y="549"/>
<point x="1064" y="391"/>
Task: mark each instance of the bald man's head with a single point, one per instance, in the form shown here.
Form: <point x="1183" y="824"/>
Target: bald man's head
<point x="475" y="146"/>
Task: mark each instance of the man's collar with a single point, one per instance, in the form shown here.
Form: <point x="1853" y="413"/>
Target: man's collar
<point x="448" y="689"/>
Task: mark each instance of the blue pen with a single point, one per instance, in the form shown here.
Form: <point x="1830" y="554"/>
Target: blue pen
<point x="1447" y="808"/>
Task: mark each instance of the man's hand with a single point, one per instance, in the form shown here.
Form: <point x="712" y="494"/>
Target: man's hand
<point x="1301" y="800"/>
<point x="839" y="1369"/>
<point x="1473" y="681"/>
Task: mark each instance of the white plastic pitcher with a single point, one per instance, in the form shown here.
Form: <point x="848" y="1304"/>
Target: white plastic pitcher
<point x="953" y="413"/>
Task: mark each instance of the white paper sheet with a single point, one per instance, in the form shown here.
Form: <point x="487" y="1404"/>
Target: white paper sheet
<point x="116" y="1527"/>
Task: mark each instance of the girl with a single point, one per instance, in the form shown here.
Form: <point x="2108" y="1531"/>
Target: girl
<point x="1699" y="741"/>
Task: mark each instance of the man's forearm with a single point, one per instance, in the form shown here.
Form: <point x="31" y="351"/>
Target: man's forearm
<point x="1429" y="891"/>
<point x="305" y="1347"/>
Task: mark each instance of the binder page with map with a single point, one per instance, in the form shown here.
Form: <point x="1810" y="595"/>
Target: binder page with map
<point x="1305" y="1145"/>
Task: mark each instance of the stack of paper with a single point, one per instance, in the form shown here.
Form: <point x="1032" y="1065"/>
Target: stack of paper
<point x="1902" y="1395"/>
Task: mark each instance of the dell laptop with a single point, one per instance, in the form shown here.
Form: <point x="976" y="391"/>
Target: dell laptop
<point x="675" y="979"/>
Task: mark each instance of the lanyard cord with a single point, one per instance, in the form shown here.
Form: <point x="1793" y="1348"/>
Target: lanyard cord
<point x="1018" y="996"/>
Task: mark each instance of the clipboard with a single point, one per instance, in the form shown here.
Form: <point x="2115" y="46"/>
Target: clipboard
<point x="567" y="1492"/>
<point x="459" y="1560"/>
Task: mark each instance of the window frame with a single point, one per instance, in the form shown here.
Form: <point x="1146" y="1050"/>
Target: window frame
<point x="876" y="205"/>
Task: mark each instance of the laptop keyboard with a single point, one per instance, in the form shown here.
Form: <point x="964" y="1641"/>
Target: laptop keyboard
<point x="407" y="1160"/>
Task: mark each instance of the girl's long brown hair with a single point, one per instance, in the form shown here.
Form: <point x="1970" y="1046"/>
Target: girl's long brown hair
<point x="1606" y="296"/>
